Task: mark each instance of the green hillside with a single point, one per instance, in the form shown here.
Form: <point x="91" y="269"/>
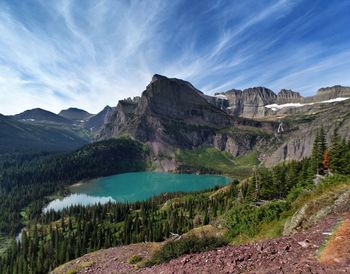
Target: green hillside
<point x="16" y="136"/>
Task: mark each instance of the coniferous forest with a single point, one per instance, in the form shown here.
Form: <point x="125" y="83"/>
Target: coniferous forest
<point x="53" y="238"/>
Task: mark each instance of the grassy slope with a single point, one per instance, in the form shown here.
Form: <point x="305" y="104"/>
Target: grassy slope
<point x="5" y="243"/>
<point x="18" y="136"/>
<point x="320" y="197"/>
<point x="219" y="162"/>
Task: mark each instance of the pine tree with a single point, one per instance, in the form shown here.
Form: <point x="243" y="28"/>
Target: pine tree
<point x="318" y="150"/>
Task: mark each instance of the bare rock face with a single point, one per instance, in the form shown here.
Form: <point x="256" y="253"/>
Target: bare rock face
<point x="249" y="103"/>
<point x="254" y="102"/>
<point x="288" y="96"/>
<point x="171" y="114"/>
<point x="97" y="121"/>
<point x="331" y="93"/>
<point x="297" y="143"/>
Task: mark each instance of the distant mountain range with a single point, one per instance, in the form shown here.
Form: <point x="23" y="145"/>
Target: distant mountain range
<point x="41" y="130"/>
<point x="17" y="136"/>
<point x="172" y="114"/>
<point x="75" y="114"/>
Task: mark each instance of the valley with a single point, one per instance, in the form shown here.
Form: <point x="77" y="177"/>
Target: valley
<point x="154" y="167"/>
<point x="174" y="137"/>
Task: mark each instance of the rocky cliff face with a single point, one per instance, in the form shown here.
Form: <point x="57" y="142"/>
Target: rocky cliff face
<point x="172" y="114"/>
<point x="297" y="143"/>
<point x="248" y="103"/>
<point x="331" y="93"/>
<point x="260" y="102"/>
<point x="288" y="96"/>
<point x="97" y="121"/>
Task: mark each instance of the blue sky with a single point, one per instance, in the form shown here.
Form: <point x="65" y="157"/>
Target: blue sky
<point x="87" y="54"/>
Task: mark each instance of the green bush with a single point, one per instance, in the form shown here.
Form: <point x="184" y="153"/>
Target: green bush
<point x="247" y="219"/>
<point x="134" y="259"/>
<point x="186" y="245"/>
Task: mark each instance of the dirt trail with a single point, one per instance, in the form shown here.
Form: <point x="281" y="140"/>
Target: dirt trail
<point x="337" y="249"/>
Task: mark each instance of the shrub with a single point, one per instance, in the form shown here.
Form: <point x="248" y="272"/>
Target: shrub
<point x="186" y="245"/>
<point x="248" y="219"/>
<point x="134" y="259"/>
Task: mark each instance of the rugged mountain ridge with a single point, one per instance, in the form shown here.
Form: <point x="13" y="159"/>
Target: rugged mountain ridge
<point x="97" y="121"/>
<point x="172" y="114"/>
<point x="38" y="114"/>
<point x="259" y="102"/>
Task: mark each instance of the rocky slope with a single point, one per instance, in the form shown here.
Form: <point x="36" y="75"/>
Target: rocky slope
<point x="260" y="102"/>
<point x="289" y="254"/>
<point x="172" y="114"/>
<point x="297" y="142"/>
<point x="97" y="121"/>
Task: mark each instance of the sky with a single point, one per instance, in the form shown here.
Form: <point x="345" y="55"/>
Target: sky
<point x="92" y="53"/>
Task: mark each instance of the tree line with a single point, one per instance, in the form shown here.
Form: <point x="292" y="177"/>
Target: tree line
<point x="56" y="237"/>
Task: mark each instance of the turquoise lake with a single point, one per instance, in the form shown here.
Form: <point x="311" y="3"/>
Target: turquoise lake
<point x="135" y="186"/>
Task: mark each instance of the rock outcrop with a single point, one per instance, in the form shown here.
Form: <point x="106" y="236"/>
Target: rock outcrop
<point x="288" y="96"/>
<point x="249" y="103"/>
<point x="171" y="114"/>
<point x="296" y="144"/>
<point x="260" y="102"/>
<point x="329" y="93"/>
<point x="97" y="121"/>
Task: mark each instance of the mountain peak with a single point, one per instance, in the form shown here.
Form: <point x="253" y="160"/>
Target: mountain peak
<point x="75" y="114"/>
<point x="156" y="77"/>
<point x="39" y="114"/>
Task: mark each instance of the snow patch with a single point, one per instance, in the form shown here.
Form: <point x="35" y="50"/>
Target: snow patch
<point x="276" y="107"/>
<point x="339" y="99"/>
<point x="221" y="96"/>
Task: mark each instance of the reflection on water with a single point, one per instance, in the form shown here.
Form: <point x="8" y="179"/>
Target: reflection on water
<point x="76" y="199"/>
<point x="134" y="186"/>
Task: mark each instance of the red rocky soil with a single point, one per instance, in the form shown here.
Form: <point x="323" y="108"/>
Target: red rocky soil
<point x="112" y="260"/>
<point x="298" y="253"/>
<point x="338" y="248"/>
<point x="291" y="254"/>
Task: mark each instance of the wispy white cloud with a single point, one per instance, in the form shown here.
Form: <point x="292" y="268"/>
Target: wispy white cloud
<point x="57" y="54"/>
